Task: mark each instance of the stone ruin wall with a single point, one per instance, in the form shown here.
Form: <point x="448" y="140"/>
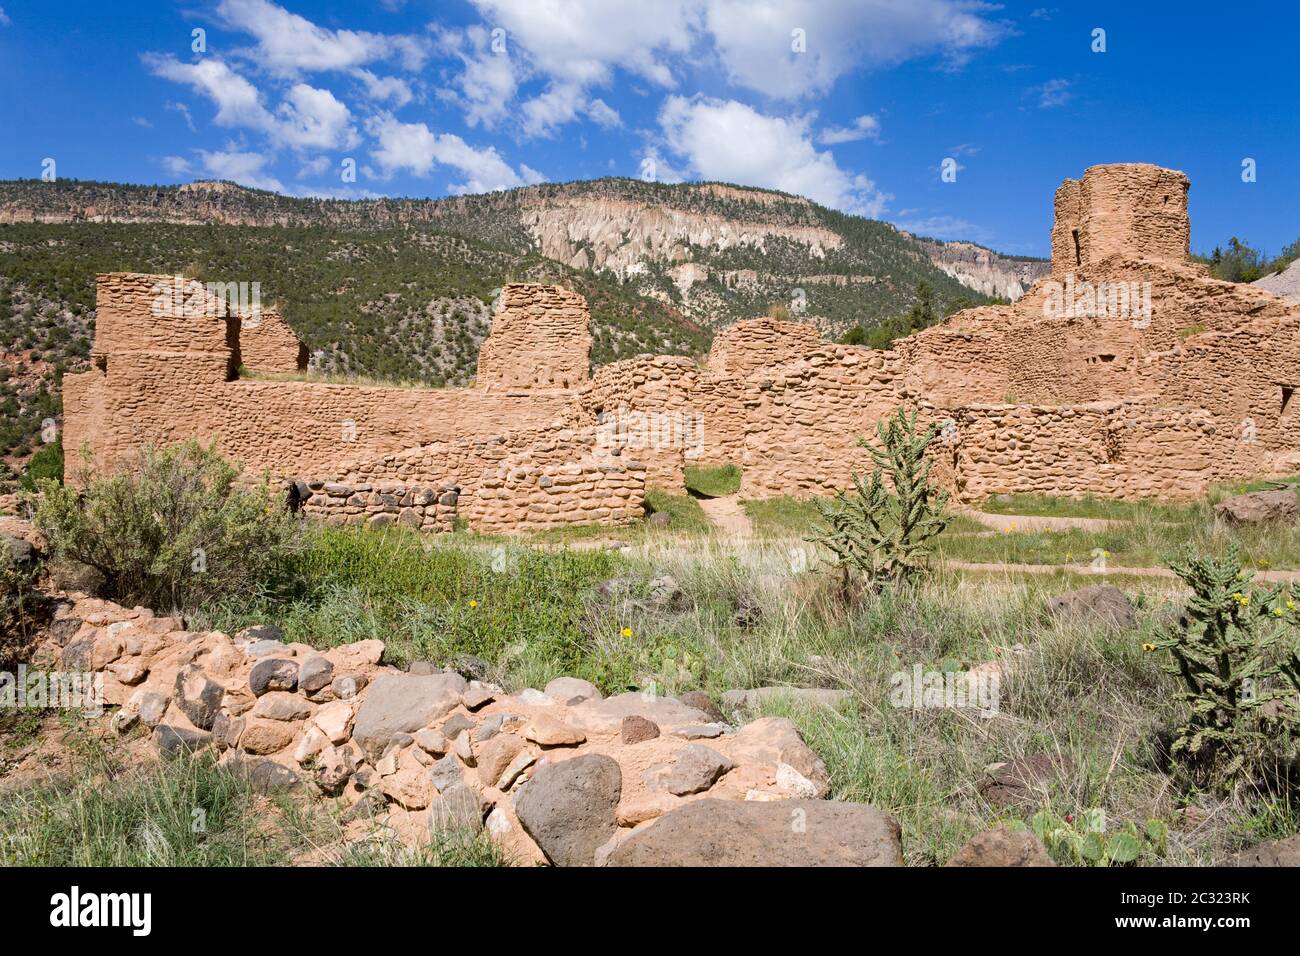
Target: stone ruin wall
<point x="1135" y="405"/>
<point x="158" y="379"/>
<point x="1125" y="209"/>
<point x="268" y="344"/>
<point x="541" y="339"/>
<point x="1157" y="403"/>
<point x="533" y="480"/>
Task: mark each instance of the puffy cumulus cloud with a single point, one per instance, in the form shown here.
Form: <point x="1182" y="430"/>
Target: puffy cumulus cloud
<point x="414" y="148"/>
<point x="786" y="49"/>
<point x="385" y="89"/>
<point x="245" y="168"/>
<point x="288" y="43"/>
<point x="308" y="118"/>
<point x="315" y="119"/>
<point x="759" y="48"/>
<point x="237" y="100"/>
<point x="577" y="45"/>
<point x="731" y="141"/>
<point x="580" y="41"/>
<point x="864" y="127"/>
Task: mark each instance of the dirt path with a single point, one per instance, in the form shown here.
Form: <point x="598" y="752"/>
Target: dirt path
<point x="1039" y="522"/>
<point x="1285" y="577"/>
<point x="728" y="517"/>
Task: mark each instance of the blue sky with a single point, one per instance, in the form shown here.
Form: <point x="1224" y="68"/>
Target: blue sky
<point x="855" y="103"/>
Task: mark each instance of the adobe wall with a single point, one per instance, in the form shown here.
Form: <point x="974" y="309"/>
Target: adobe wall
<point x="268" y="344"/>
<point x="540" y="338"/>
<point x="1128" y="373"/>
<point x="1190" y="373"/>
<point x="162" y="376"/>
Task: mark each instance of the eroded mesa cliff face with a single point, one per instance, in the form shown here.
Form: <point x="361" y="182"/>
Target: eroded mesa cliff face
<point x="619" y="236"/>
<point x="985" y="271"/>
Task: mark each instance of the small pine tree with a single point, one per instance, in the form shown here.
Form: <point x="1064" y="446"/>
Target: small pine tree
<point x="885" y="530"/>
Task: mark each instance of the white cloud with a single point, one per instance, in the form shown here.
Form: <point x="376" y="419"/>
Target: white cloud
<point x="580" y="41"/>
<point x="385" y="89"/>
<point x="238" y="101"/>
<point x="488" y="82"/>
<point x="245" y="168"/>
<point x="576" y="45"/>
<point x="288" y="43"/>
<point x="945" y="227"/>
<point x="603" y="114"/>
<point x="1052" y="93"/>
<point x="184" y="111"/>
<point x="755" y="38"/>
<point x="414" y="148"/>
<point x="864" y="127"/>
<point x="176" y="165"/>
<point x="654" y="167"/>
<point x="308" y="118"/>
<point x="314" y="167"/>
<point x="4" y="18"/>
<point x="315" y="119"/>
<point x="730" y="141"/>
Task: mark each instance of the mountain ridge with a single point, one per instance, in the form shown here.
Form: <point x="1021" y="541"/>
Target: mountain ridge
<point x="640" y="232"/>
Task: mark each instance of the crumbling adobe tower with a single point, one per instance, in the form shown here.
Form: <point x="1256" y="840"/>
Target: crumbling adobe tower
<point x="1129" y="210"/>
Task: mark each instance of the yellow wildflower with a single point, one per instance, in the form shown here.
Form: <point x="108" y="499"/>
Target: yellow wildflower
<point x="473" y="603"/>
<point x="626" y="632"/>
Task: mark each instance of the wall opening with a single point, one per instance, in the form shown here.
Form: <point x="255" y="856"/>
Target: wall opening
<point x="1078" y="258"/>
<point x="1287" y="392"/>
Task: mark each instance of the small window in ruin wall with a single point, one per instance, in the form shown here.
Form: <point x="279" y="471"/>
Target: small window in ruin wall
<point x="1287" y="392"/>
<point x="1078" y="257"/>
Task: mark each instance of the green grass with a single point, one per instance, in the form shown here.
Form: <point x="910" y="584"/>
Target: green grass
<point x="183" y="812"/>
<point x="685" y="514"/>
<point x="713" y="480"/>
<point x="1087" y="692"/>
<point x="187" y="811"/>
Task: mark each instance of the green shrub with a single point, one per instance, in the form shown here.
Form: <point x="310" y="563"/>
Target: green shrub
<point x="46" y="463"/>
<point x="882" y="535"/>
<point x="172" y="532"/>
<point x="1233" y="650"/>
<point x="23" y="609"/>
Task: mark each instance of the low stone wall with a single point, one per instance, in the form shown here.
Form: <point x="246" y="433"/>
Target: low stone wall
<point x="418" y="507"/>
<point x="520" y="481"/>
<point x="562" y="775"/>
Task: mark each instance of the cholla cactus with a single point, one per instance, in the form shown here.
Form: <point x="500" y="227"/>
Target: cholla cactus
<point x="1225" y="648"/>
<point x="885" y="529"/>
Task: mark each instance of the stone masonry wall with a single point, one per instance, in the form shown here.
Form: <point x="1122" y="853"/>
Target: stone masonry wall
<point x="161" y="376"/>
<point x="540" y="338"/>
<point x="1180" y="381"/>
